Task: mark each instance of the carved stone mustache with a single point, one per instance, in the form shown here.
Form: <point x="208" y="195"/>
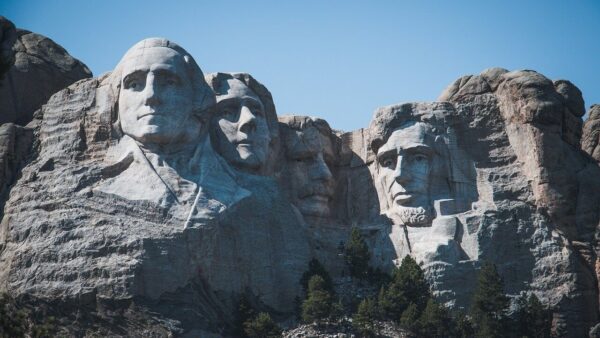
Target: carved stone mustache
<point x="322" y="189"/>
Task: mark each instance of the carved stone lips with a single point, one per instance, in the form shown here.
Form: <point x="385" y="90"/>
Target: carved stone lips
<point x="402" y="196"/>
<point x="150" y="113"/>
<point x="318" y="198"/>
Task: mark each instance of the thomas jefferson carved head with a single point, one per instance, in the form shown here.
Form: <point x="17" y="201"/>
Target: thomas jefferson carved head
<point x="244" y="125"/>
<point x="413" y="164"/>
<point x="309" y="155"/>
<point x="162" y="94"/>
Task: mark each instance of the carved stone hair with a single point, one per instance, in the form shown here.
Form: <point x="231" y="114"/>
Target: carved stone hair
<point x="300" y="123"/>
<point x="454" y="168"/>
<point x="216" y="80"/>
<point x="204" y="97"/>
<point x="388" y="119"/>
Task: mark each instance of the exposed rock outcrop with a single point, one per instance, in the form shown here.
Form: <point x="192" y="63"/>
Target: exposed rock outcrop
<point x="590" y="141"/>
<point x="32" y="68"/>
<point x="541" y="182"/>
<point x="40" y="68"/>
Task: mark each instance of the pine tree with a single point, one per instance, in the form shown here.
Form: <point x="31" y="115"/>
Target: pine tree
<point x="463" y="328"/>
<point x="318" y="305"/>
<point x="363" y="320"/>
<point x="315" y="268"/>
<point x="490" y="304"/>
<point x="408" y="286"/>
<point x="435" y="321"/>
<point x="337" y="310"/>
<point x="356" y="254"/>
<point x="13" y="322"/>
<point x="243" y="314"/>
<point x="532" y="318"/>
<point x="410" y="319"/>
<point x="262" y="326"/>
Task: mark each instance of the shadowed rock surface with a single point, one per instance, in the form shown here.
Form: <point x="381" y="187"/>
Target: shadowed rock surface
<point x="8" y="35"/>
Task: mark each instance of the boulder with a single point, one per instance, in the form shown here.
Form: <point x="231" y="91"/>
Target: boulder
<point x="39" y="68"/>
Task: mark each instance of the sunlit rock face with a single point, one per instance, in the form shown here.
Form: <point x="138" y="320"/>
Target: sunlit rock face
<point x="524" y="135"/>
<point x="165" y="195"/>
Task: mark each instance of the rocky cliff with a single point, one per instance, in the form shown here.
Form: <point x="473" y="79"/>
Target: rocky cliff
<point x="32" y="68"/>
<point x="155" y="225"/>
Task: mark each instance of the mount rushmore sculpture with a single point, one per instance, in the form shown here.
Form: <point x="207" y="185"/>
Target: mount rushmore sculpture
<point x="160" y="187"/>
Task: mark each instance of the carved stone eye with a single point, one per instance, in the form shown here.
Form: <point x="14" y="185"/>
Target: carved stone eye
<point x="420" y="158"/>
<point x="388" y="162"/>
<point x="229" y="113"/>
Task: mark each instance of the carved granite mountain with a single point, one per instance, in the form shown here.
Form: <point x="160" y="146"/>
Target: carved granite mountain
<point x="155" y="197"/>
<point x="121" y="219"/>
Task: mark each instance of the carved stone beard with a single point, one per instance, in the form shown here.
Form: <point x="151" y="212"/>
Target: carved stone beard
<point x="412" y="216"/>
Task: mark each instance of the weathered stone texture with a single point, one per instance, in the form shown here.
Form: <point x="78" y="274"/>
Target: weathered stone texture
<point x="550" y="193"/>
<point x="40" y="68"/>
<point x="15" y="143"/>
<point x="32" y="68"/>
<point x="590" y="142"/>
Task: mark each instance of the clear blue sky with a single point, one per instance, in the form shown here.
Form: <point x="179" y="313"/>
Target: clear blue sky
<point x="337" y="59"/>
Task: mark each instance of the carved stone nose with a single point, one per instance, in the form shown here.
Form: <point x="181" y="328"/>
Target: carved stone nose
<point x="150" y="92"/>
<point x="247" y="121"/>
<point x="321" y="169"/>
<point x="400" y="173"/>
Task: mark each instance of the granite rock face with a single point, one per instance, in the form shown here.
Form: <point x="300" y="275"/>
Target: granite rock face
<point x="590" y="139"/>
<point x="15" y="143"/>
<point x="39" y="68"/>
<point x="32" y="68"/>
<point x="548" y="190"/>
<point x="120" y="208"/>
